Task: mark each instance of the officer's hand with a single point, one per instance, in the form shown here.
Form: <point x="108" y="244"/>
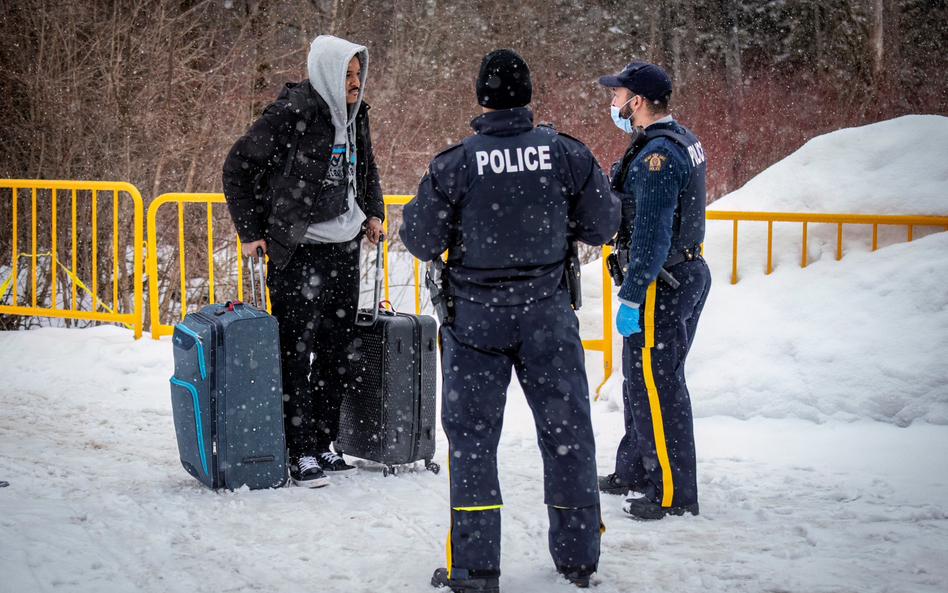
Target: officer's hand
<point x="373" y="230"/>
<point x="250" y="249"/>
<point x="627" y="320"/>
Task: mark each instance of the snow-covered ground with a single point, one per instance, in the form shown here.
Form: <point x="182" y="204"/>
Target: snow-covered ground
<point x="821" y="397"/>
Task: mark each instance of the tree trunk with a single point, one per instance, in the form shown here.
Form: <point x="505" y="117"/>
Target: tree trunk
<point x="732" y="48"/>
<point x="877" y="43"/>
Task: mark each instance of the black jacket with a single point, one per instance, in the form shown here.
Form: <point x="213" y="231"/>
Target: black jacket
<point x="295" y="196"/>
<point x="503" y="203"/>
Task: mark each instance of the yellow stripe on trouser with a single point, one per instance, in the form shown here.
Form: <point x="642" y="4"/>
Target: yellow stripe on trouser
<point x="658" y="428"/>
<point x="447" y="466"/>
<point x="484" y="508"/>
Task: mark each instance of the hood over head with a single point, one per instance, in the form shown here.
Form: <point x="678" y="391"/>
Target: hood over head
<point x="328" y="60"/>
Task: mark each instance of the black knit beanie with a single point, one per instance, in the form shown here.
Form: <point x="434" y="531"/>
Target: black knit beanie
<point x="503" y="81"/>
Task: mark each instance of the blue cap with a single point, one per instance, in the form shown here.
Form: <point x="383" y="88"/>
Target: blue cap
<point x="642" y="78"/>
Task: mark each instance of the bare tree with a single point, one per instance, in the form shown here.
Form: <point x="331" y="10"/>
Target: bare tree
<point x="732" y="47"/>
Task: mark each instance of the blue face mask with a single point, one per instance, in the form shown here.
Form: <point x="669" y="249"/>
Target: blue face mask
<point x="623" y="124"/>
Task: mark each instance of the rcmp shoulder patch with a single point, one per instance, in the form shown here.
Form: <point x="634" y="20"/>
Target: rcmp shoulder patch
<point x="655" y="161"/>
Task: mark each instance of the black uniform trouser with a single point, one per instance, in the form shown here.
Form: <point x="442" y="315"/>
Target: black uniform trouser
<point x="315" y="299"/>
<point x="657" y="453"/>
<point x="541" y="341"/>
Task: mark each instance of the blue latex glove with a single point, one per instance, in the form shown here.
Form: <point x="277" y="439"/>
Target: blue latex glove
<point x="627" y="320"/>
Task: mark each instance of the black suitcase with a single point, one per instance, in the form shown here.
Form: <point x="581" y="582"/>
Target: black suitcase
<point x="227" y="396"/>
<point x="389" y="415"/>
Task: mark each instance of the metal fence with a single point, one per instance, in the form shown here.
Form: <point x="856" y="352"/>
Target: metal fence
<point x="875" y="220"/>
<point x="160" y="292"/>
<point x="91" y="267"/>
<point x="74" y="251"/>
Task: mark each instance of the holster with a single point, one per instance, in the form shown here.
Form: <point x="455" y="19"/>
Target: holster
<point x="442" y="298"/>
<point x="572" y="275"/>
<point x="618" y="260"/>
<point x="616" y="263"/>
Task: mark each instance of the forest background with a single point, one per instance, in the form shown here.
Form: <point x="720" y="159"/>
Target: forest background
<point x="155" y="92"/>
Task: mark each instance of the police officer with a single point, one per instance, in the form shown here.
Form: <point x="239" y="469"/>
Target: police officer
<point x="504" y="203"/>
<point x="661" y="182"/>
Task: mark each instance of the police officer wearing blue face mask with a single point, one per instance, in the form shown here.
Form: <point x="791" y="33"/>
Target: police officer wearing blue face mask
<point x="505" y="203"/>
<point x="664" y="284"/>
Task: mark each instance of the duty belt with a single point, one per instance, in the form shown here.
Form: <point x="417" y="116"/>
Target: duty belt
<point x="675" y="259"/>
<point x="682" y="256"/>
<point x="619" y="259"/>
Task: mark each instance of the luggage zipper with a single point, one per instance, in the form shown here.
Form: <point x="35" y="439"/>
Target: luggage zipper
<point x="200" y="346"/>
<point x="217" y="339"/>
<point x="416" y="343"/>
<point x="198" y="427"/>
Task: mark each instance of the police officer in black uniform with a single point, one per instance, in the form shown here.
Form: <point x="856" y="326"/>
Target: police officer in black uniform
<point x="664" y="285"/>
<point x="505" y="203"/>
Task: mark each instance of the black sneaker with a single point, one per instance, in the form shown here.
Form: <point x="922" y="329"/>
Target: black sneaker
<point x="335" y="465"/>
<point x="307" y="472"/>
<point x="613" y="484"/>
<point x="643" y="509"/>
<point x="478" y="585"/>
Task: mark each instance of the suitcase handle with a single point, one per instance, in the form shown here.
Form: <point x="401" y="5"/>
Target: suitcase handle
<point x="378" y="286"/>
<point x="263" y="284"/>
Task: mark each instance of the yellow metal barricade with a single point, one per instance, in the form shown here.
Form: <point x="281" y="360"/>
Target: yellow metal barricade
<point x="77" y="274"/>
<point x="838" y="219"/>
<point x="604" y="344"/>
<point x="158" y="328"/>
<point x="400" y="200"/>
<point x="34" y="294"/>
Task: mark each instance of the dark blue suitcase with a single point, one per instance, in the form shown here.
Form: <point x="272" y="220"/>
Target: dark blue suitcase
<point x="227" y="397"/>
<point x="388" y="415"/>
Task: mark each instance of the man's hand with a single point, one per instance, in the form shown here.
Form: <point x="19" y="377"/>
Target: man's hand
<point x="373" y="230"/>
<point x="627" y="320"/>
<point x="250" y="249"/>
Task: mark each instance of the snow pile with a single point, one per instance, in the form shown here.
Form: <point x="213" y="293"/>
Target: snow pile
<point x="896" y="166"/>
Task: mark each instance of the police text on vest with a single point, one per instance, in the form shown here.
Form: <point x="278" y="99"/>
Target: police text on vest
<point x="696" y="152"/>
<point x="530" y="158"/>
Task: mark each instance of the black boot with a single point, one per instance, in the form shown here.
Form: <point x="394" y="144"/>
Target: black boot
<point x="478" y="585"/>
<point x="643" y="509"/>
<point x="613" y="484"/>
<point x="577" y="578"/>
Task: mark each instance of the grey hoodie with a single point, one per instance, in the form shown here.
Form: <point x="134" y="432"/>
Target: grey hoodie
<point x="328" y="61"/>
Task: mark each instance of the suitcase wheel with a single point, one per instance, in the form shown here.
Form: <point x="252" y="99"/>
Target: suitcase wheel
<point x="432" y="467"/>
<point x="387" y="469"/>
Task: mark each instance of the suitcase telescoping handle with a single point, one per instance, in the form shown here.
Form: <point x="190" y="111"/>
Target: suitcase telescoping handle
<point x="377" y="295"/>
<point x="263" y="283"/>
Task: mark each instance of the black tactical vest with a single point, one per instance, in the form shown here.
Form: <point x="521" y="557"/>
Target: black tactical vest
<point x="689" y="221"/>
<point x="515" y="212"/>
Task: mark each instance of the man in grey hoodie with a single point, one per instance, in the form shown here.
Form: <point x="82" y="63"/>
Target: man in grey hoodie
<point x="303" y="186"/>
